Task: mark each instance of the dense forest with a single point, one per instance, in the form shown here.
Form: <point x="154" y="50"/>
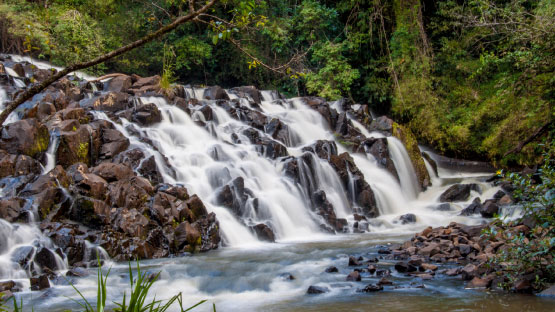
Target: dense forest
<point x="473" y="79"/>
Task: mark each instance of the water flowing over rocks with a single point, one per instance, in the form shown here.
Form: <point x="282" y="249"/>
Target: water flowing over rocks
<point x="119" y="169"/>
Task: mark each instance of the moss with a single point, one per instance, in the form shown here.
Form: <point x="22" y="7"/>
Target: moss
<point x="411" y="144"/>
<point x="41" y="143"/>
<point x="83" y="152"/>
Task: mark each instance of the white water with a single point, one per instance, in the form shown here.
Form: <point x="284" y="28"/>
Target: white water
<point x="17" y="237"/>
<point x="3" y="98"/>
<point x="51" y="153"/>
<point x="403" y="164"/>
<point x="46" y="65"/>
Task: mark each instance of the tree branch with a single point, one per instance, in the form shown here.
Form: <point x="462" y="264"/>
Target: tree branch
<point x="534" y="135"/>
<point x="37" y="88"/>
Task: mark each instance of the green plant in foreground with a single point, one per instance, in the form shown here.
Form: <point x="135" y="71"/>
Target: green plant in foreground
<point x="137" y="300"/>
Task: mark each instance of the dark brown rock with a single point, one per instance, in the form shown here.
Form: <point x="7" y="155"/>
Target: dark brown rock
<point x="27" y="136"/>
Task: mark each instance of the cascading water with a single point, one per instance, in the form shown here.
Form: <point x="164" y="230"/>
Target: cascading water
<point x="50" y="154"/>
<point x="405" y="170"/>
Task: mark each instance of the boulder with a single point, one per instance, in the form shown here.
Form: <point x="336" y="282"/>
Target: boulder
<point x="91" y="212"/>
<point x="331" y="269"/>
<point x="112" y="172"/>
<point x="264" y="232"/>
<point x="404" y="267"/>
<point x="147" y="114"/>
<point x="11" y="209"/>
<point x="473" y="208"/>
<point x="40" y="282"/>
<point x="108" y="102"/>
<point x="489" y="210"/>
<point x="372" y="288"/>
<point x="215" y="93"/>
<point x="186" y="235"/>
<point x="114" y="143"/>
<point x="74" y="146"/>
<point x="130" y="193"/>
<point x="354" y="277"/>
<point x="120" y="83"/>
<point x="46" y="259"/>
<point x="248" y="91"/>
<point x="315" y="290"/>
<point x="457" y="192"/>
<point x="27" y="136"/>
<point x="408" y="218"/>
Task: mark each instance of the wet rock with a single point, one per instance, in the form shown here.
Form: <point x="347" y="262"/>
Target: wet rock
<point x="130" y="193"/>
<point x="384" y="281"/>
<point x="11" y="209"/>
<point x="315" y="290"/>
<point x="186" y="235"/>
<point x="354" y="277"/>
<point x="146" y="81"/>
<point x="457" y="192"/>
<point x="46" y="259"/>
<point x="430" y="250"/>
<point x="109" y="102"/>
<point x="27" y="136"/>
<point x="408" y="218"/>
<point x="331" y="269"/>
<point x="114" y="143"/>
<point x="404" y="267"/>
<point x="473" y="208"/>
<point x="7" y="285"/>
<point x="429" y="267"/>
<point x="383" y="273"/>
<point x="523" y="286"/>
<point x="372" y="288"/>
<point x="121" y="83"/>
<point x="353" y="261"/>
<point x="489" y="210"/>
<point x="378" y="148"/>
<point x="549" y="292"/>
<point x="505" y="200"/>
<point x="477" y="282"/>
<point x="91" y="212"/>
<point x="40" y="283"/>
<point x="74" y="146"/>
<point x="264" y="232"/>
<point x="383" y="124"/>
<point x="444" y="207"/>
<point x="112" y="172"/>
<point x="248" y="91"/>
<point x="147" y="114"/>
<point x="322" y="148"/>
<point x="469" y="272"/>
<point x="215" y="93"/>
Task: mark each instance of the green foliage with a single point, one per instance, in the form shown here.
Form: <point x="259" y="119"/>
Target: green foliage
<point x="532" y="252"/>
<point x="335" y="76"/>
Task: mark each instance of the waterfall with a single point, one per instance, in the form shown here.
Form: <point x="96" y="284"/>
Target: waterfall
<point x="3" y="98"/>
<point x="50" y="154"/>
<point x="19" y="243"/>
<point x="405" y="170"/>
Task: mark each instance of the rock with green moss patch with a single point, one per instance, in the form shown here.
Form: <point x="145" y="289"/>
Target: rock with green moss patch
<point x="27" y="136"/>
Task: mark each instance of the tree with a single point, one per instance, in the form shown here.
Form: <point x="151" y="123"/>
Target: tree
<point x="39" y="87"/>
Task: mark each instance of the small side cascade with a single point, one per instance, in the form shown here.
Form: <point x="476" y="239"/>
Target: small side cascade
<point x="405" y="170"/>
<point x="51" y="153"/>
<point x="20" y="245"/>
